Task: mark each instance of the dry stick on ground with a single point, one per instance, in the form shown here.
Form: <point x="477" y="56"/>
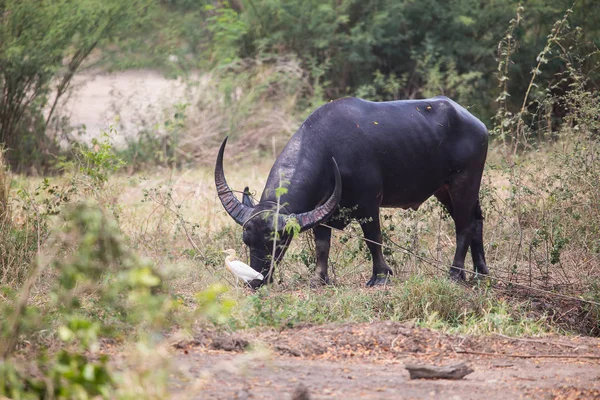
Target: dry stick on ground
<point x="533" y="340"/>
<point x="573" y="356"/>
<point x="457" y="371"/>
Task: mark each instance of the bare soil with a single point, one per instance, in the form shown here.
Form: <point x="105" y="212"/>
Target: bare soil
<point x="141" y="99"/>
<point x="367" y="361"/>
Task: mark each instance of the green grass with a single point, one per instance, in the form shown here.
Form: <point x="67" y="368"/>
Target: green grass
<point x="168" y="233"/>
<point x="433" y="302"/>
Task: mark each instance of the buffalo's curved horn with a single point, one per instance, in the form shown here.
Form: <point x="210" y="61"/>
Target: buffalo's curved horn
<point x="238" y="211"/>
<point x="312" y="218"/>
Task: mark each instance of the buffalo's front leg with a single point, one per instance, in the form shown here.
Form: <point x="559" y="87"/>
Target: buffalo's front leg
<point x="322" y="244"/>
<point x="372" y="231"/>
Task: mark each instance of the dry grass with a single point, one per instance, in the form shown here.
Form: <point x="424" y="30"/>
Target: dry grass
<point x="154" y="207"/>
<point x="17" y="241"/>
<point x="4" y="189"/>
<point x="513" y="224"/>
<point x="542" y="219"/>
<point x="255" y="100"/>
<point x="426" y="232"/>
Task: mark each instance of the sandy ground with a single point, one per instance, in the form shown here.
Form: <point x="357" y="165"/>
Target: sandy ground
<point x="137" y="99"/>
<point x="366" y="361"/>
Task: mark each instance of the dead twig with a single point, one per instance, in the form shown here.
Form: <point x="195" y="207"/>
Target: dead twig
<point x="527" y="340"/>
<point x="456" y="371"/>
<point x="573" y="356"/>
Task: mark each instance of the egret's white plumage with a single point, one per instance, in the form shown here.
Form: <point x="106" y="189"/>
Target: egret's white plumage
<point x="239" y="269"/>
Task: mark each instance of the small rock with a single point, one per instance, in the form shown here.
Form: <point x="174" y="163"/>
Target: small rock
<point x="301" y="393"/>
<point x="243" y="394"/>
<point x="229" y="343"/>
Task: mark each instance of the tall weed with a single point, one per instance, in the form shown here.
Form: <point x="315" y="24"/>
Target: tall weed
<point x="258" y="100"/>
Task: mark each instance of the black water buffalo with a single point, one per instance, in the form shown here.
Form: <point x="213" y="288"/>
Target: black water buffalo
<point x="359" y="155"/>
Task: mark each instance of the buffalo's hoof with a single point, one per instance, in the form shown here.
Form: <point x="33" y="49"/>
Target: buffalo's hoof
<point x="481" y="270"/>
<point x="457" y="275"/>
<point x="379" y="279"/>
<point x="255" y="283"/>
<point x="318" y="281"/>
<point x="482" y="277"/>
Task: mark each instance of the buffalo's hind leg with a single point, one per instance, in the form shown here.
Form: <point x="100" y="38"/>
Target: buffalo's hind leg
<point x="372" y="231"/>
<point x="477" y="251"/>
<point x="322" y="245"/>
<point x="463" y="205"/>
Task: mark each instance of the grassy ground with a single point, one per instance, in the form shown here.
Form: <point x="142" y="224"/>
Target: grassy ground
<point x="91" y="293"/>
<point x="155" y="208"/>
<point x="174" y="218"/>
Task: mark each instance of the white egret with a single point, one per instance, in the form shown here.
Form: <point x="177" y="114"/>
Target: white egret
<point x="239" y="269"/>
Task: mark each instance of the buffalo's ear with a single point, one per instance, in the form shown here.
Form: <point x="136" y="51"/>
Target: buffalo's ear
<point x="247" y="198"/>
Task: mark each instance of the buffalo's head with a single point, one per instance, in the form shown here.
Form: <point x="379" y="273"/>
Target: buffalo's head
<point x="264" y="225"/>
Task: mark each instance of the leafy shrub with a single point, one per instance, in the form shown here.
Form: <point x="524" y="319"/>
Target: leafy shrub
<point x="257" y="100"/>
<point x="17" y="243"/>
<point x="42" y="47"/>
<point x="99" y="266"/>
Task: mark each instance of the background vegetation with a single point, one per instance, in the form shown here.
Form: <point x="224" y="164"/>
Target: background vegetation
<point x="376" y="49"/>
<point x="122" y="246"/>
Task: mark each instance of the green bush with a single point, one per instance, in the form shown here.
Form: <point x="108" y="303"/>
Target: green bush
<point x="98" y="273"/>
<point x="42" y="46"/>
<point x="387" y="49"/>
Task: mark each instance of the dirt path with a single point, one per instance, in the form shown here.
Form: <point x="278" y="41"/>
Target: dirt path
<point x="367" y="361"/>
<point x="141" y="99"/>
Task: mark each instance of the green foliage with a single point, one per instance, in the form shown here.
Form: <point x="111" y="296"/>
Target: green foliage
<point x="42" y="46"/>
<point x="98" y="161"/>
<point x="75" y="376"/>
<point x="99" y="268"/>
<point x="14" y="386"/>
<point x="386" y="50"/>
<point x="96" y="287"/>
<point x="376" y="49"/>
<point x="88" y="174"/>
<point x="383" y="88"/>
<point x="225" y="27"/>
<point x="213" y="306"/>
<point x="292" y="227"/>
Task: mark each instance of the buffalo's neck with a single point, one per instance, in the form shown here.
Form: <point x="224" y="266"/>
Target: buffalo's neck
<point x="301" y="173"/>
<point x="303" y="191"/>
